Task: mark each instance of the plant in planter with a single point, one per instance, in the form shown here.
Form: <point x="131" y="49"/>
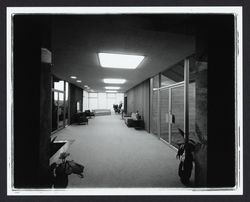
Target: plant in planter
<point x="61" y="171"/>
<point x="185" y="154"/>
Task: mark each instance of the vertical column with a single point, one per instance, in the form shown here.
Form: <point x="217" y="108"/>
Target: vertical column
<point x="169" y="112"/>
<point x="159" y="107"/>
<point x="186" y="111"/>
<point x="159" y="115"/>
<point x="45" y="125"/>
<point x="200" y="154"/>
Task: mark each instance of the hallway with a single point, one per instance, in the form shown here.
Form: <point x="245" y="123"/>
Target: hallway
<point x="117" y="156"/>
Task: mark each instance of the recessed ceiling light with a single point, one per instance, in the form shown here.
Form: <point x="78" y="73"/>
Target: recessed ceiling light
<point x="73" y="77"/>
<point x="114" y="81"/>
<point x="85" y="86"/>
<point x="112" y="87"/>
<point x="110" y="60"/>
<point x="78" y="81"/>
<point x="111" y="91"/>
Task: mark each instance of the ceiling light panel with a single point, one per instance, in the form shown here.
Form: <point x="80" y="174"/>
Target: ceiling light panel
<point x="122" y="61"/>
<point x="112" y="87"/>
<point x="114" y="81"/>
<point x="111" y="91"/>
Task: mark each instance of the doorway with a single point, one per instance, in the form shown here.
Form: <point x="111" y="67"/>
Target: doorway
<point x="172" y="114"/>
<point x="170" y="104"/>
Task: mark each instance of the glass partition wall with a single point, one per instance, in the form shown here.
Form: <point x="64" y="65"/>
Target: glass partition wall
<point x="173" y="103"/>
<point x="60" y="104"/>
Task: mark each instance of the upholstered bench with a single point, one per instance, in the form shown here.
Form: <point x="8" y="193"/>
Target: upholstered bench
<point x="132" y="121"/>
<point x="102" y="112"/>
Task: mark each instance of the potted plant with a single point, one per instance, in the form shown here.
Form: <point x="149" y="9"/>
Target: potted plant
<point x="185" y="155"/>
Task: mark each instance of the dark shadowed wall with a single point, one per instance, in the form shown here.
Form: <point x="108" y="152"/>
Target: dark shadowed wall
<point x="221" y="102"/>
<point x="76" y="95"/>
<point x="32" y="123"/>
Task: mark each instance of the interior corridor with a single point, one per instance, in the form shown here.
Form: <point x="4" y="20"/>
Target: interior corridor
<point x="117" y="156"/>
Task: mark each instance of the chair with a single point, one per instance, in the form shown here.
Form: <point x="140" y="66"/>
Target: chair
<point x="88" y="113"/>
<point x="81" y="118"/>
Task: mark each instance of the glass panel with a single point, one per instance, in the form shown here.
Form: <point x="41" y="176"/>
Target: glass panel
<point x="102" y="100"/>
<point x="178" y="115"/>
<point x="120" y="98"/>
<point x="110" y="103"/>
<point x="192" y="134"/>
<point x="112" y="95"/>
<point x="61" y="110"/>
<point x="85" y="105"/>
<point x="93" y="94"/>
<point x="173" y="74"/>
<point x="165" y="81"/>
<point x="156" y="81"/>
<point x="154" y="117"/>
<point x="164" y="111"/>
<point x="93" y="103"/>
<point x="58" y="84"/>
<point x="54" y="110"/>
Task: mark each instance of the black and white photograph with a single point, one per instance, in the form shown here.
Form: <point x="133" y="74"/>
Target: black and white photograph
<point x="124" y="101"/>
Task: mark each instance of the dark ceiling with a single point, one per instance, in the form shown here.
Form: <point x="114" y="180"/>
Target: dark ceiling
<point x="76" y="40"/>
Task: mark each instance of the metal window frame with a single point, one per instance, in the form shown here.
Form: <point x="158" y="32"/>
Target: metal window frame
<point x="184" y="84"/>
<point x="53" y="90"/>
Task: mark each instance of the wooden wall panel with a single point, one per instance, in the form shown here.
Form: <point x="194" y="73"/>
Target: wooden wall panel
<point x="139" y="99"/>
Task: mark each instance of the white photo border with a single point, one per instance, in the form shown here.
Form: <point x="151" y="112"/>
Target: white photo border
<point x="236" y="11"/>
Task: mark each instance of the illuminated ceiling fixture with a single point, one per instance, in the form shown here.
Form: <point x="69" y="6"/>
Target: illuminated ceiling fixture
<point x="73" y="77"/>
<point x="122" y="61"/>
<point x="112" y="87"/>
<point x="78" y="81"/>
<point x="114" y="81"/>
<point x="111" y="91"/>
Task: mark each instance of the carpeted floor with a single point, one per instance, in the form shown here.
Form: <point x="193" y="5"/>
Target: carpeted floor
<point x="117" y="156"/>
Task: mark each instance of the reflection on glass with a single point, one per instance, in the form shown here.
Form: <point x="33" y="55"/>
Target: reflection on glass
<point x="78" y="106"/>
<point x="173" y="75"/>
<point x="178" y="113"/>
<point x="60" y="110"/>
<point x="192" y="97"/>
<point x="54" y="110"/>
<point x="156" y="81"/>
<point x="58" y="84"/>
<point x="192" y="134"/>
<point x="59" y="103"/>
<point x="154" y="117"/>
<point x="164" y="113"/>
